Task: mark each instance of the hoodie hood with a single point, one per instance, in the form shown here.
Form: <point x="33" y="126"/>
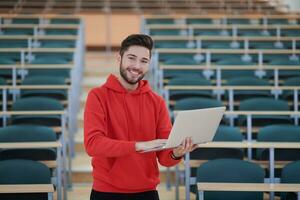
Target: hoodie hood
<point x="114" y="84"/>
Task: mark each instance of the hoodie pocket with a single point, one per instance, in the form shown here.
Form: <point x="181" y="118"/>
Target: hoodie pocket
<point x="136" y="172"/>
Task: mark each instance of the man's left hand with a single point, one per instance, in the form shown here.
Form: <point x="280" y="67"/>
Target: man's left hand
<point x="185" y="147"/>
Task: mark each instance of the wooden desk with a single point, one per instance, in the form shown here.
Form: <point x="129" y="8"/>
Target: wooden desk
<point x="27" y="188"/>
<point x="246" y="187"/>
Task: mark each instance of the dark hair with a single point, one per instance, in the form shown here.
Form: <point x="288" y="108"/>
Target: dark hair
<point x="136" y="40"/>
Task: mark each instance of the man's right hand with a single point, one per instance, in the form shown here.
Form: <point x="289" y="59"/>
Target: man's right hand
<point x="142" y="146"/>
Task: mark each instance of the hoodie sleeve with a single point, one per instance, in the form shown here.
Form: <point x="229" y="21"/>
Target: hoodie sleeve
<point x="163" y="130"/>
<point x="96" y="141"/>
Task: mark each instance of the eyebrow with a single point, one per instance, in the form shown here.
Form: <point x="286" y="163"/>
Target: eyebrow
<point x="144" y="58"/>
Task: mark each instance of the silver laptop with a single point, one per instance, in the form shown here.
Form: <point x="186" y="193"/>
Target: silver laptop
<point x="201" y="125"/>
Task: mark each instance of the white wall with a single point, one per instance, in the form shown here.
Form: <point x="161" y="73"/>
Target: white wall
<point x="294" y="5"/>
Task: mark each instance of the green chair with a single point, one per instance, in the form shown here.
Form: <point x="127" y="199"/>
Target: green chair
<point x="182" y="73"/>
<point x="207" y="32"/>
<point x="64" y="21"/>
<point x="234" y="61"/>
<point x="248" y="81"/>
<point x="154" y="32"/>
<point x="278" y="21"/>
<point x="18" y="31"/>
<point x="44" y="80"/>
<point x="249" y="32"/>
<point x="264" y="45"/>
<point x="279" y="133"/>
<point x="20" y="171"/>
<point x="171" y="44"/>
<point x="6" y="73"/>
<point x="291" y="32"/>
<point x="224" y="133"/>
<point x="182" y="60"/>
<point x="57" y="44"/>
<point x="59" y="73"/>
<point x="52" y="58"/>
<point x="233" y="171"/>
<point x="290" y="174"/>
<point x="13" y="43"/>
<point x="37" y="104"/>
<point x="265" y="104"/>
<point x="169" y="56"/>
<point x="289" y="94"/>
<point x="61" y="31"/>
<point x="27" y="133"/>
<point x="25" y="21"/>
<point x="190" y="81"/>
<point x="286" y="62"/>
<point x="160" y="21"/>
<point x="197" y="103"/>
<point x="198" y="21"/>
<point x="238" y="21"/>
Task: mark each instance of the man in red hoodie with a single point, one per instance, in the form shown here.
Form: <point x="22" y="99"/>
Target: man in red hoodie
<point x="123" y="117"/>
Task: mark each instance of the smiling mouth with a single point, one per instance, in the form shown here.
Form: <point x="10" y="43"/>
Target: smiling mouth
<point x="134" y="72"/>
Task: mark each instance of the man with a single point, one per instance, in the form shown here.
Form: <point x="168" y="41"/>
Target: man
<point x="123" y="117"/>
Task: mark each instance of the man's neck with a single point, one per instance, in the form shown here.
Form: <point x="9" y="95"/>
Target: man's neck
<point x="127" y="86"/>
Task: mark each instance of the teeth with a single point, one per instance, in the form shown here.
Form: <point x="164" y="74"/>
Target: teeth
<point x="133" y="72"/>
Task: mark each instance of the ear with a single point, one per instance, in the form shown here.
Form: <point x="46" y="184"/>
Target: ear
<point x="119" y="58"/>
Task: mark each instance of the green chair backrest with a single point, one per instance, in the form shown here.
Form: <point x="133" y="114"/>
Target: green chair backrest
<point x="290" y="174"/>
<point x="231" y="170"/>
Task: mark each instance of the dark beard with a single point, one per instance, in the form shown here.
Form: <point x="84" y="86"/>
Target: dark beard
<point x="125" y="77"/>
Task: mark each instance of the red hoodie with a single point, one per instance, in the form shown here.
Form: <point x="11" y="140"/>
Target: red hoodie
<point x="114" y="120"/>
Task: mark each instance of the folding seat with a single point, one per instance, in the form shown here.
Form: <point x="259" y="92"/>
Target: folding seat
<point x="60" y="31"/>
<point x="6" y="73"/>
<point x="52" y="58"/>
<point x="196" y="103"/>
<point x="286" y="62"/>
<point x="238" y="21"/>
<point x="223" y="134"/>
<point x="18" y="171"/>
<point x="190" y="81"/>
<point x="265" y="104"/>
<point x="234" y="60"/>
<point x="198" y="21"/>
<point x="18" y="31"/>
<point x="278" y="21"/>
<point x="264" y="45"/>
<point x="64" y="21"/>
<point x="160" y="21"/>
<point x="289" y="94"/>
<point x="25" y="21"/>
<point x="279" y="133"/>
<point x="28" y="133"/>
<point x="249" y="32"/>
<point x="209" y="32"/>
<point x="173" y="57"/>
<point x="182" y="60"/>
<point x="171" y="44"/>
<point x="57" y="43"/>
<point x="44" y="80"/>
<point x="218" y="44"/>
<point x="22" y="43"/>
<point x="231" y="171"/>
<point x="290" y="32"/>
<point x="181" y="73"/>
<point x="290" y="174"/>
<point x="248" y="81"/>
<point x="37" y="104"/>
<point x="154" y="32"/>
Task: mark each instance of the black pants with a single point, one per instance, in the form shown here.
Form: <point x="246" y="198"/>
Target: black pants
<point x="149" y="195"/>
